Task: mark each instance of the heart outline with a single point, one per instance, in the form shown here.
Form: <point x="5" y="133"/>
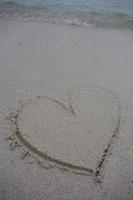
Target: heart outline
<point x="14" y="117"/>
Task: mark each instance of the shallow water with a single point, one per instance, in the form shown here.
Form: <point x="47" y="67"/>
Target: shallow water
<point x="76" y="12"/>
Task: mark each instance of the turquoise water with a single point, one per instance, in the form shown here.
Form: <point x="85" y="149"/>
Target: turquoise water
<point x="76" y="12"/>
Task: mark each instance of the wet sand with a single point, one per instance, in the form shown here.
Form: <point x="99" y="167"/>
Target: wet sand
<point x="67" y="91"/>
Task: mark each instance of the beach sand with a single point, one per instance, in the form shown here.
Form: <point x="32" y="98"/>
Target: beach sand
<point x="66" y="111"/>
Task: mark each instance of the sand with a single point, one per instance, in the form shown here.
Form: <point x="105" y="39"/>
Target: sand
<point x="66" y="112"/>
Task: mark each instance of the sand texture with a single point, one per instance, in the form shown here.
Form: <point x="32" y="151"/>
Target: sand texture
<point x="66" y="112"/>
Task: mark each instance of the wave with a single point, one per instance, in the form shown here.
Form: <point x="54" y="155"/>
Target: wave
<point x="40" y="13"/>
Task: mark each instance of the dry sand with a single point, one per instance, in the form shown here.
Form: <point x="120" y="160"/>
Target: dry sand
<point x="66" y="95"/>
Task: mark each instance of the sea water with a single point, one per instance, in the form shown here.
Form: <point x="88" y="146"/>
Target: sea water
<point x="118" y="13"/>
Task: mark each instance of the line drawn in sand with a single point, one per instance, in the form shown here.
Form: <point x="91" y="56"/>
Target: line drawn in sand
<point x="17" y="138"/>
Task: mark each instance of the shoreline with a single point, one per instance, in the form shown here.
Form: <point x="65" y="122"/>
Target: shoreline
<point x="89" y="26"/>
<point x="98" y="23"/>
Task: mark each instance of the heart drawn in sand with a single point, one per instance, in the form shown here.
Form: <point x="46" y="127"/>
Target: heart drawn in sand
<point x="78" y="134"/>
